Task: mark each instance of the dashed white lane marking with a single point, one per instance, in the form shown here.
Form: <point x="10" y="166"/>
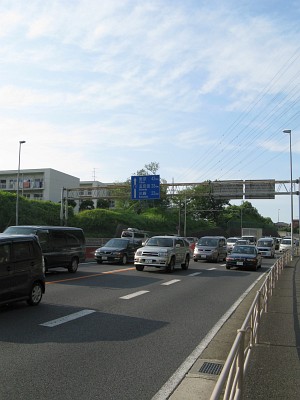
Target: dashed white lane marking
<point x="130" y="296"/>
<point x="171" y="282"/>
<point x="67" y="318"/>
<point x="195" y="274"/>
<point x="211" y="269"/>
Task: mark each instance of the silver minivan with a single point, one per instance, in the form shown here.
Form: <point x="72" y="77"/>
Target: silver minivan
<point x="211" y="248"/>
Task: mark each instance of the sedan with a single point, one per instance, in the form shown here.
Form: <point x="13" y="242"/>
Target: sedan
<point x="117" y="250"/>
<point x="245" y="256"/>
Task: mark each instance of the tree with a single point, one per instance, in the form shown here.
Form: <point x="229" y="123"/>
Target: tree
<point x="201" y="204"/>
<point x="103" y="203"/>
<point x="86" y="205"/>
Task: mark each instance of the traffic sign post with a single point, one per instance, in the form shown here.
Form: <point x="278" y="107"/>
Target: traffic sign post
<point x="145" y="187"/>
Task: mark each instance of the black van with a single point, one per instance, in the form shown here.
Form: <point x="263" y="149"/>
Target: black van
<point x="62" y="246"/>
<point x="21" y="269"/>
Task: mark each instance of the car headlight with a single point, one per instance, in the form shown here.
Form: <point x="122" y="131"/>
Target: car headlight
<point x="138" y="253"/>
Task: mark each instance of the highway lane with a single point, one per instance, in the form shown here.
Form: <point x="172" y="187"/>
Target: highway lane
<point x="138" y="328"/>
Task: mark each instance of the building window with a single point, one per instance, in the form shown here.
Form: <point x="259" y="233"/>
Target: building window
<point x="12" y="184"/>
<point x="38" y="196"/>
<point x="38" y="183"/>
<point x="3" y="183"/>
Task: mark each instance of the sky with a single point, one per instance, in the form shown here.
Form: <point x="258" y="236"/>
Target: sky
<point x="98" y="89"/>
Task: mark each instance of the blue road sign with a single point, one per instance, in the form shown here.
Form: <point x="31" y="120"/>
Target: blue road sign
<point x="145" y="187"/>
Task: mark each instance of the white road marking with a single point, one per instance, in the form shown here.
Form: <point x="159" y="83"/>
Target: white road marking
<point x="130" y="296"/>
<point x="67" y="318"/>
<point x="171" y="282"/>
<point x="211" y="269"/>
<point x="195" y="274"/>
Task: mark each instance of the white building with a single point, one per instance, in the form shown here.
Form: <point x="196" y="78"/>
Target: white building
<point x="38" y="184"/>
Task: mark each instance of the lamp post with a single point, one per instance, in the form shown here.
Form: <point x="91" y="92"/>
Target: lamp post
<point x="18" y="174"/>
<point x="291" y="172"/>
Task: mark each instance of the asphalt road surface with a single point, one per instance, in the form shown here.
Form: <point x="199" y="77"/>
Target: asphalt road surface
<point x="111" y="332"/>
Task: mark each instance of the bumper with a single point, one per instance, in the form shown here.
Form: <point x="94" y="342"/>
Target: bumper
<point x="151" y="262"/>
<point x="112" y="259"/>
<point x="241" y="264"/>
<point x="198" y="257"/>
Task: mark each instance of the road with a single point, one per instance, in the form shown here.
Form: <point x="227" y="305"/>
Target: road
<point x="111" y="332"/>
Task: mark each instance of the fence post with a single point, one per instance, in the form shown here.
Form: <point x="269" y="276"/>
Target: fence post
<point x="240" y="364"/>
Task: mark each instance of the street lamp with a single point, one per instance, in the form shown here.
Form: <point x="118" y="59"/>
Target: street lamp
<point x="291" y="171"/>
<point x="18" y="174"/>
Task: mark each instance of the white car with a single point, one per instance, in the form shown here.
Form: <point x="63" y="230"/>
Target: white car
<point x="286" y="244"/>
<point x="165" y="252"/>
<point x="231" y="242"/>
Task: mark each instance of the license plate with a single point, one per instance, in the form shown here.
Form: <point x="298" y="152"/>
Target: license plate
<point x="203" y="255"/>
<point x="104" y="258"/>
<point x="239" y="263"/>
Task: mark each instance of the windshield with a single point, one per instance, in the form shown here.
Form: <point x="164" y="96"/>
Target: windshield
<point x="17" y="230"/>
<point x="286" y="241"/>
<point x="265" y="243"/>
<point x="160" y="242"/>
<point x="208" y="242"/>
<point x="119" y="243"/>
<point x="231" y="240"/>
<point x="244" y="249"/>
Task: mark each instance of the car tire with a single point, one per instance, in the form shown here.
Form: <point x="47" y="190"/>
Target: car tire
<point x="227" y="267"/>
<point x="171" y="266"/>
<point x="186" y="263"/>
<point x="139" y="267"/>
<point x="73" y="266"/>
<point x="124" y="260"/>
<point x="35" y="295"/>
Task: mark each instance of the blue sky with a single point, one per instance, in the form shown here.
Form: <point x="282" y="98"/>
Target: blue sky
<point x="98" y="89"/>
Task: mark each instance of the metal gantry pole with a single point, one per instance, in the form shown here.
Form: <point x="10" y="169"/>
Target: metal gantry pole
<point x="292" y="206"/>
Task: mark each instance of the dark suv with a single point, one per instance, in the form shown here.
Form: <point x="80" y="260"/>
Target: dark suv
<point x="116" y="250"/>
<point x="22" y="274"/>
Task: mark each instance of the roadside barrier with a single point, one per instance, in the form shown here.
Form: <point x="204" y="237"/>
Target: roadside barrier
<point x="230" y="383"/>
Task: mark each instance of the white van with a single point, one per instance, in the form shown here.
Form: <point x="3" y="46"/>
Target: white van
<point x="135" y="235"/>
<point x="266" y="247"/>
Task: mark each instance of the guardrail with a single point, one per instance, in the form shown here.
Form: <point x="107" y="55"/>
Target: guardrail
<point x="230" y="383"/>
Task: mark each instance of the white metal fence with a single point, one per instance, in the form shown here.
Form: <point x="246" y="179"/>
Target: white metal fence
<point x="230" y="383"/>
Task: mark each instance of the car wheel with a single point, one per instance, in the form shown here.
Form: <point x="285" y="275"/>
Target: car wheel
<point x="254" y="268"/>
<point x="139" y="267"/>
<point x="74" y="265"/>
<point x="171" y="266"/>
<point x="185" y="265"/>
<point x="36" y="294"/>
<point x="227" y="267"/>
<point x="124" y="260"/>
